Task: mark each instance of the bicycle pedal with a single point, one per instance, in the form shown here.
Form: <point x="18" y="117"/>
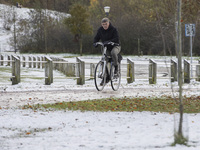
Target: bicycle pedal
<point x="114" y="80"/>
<point x="115" y="76"/>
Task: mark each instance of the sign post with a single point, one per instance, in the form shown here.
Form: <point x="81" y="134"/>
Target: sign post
<point x="190" y="31"/>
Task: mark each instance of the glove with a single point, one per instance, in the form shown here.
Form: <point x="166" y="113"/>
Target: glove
<point x="95" y="45"/>
<point x="112" y="43"/>
<point x="106" y="42"/>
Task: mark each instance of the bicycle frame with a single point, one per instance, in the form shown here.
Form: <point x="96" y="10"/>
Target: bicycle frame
<point x="104" y="56"/>
<point x="104" y="59"/>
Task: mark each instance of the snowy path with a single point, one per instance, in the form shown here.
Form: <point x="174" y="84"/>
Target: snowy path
<point x="13" y="99"/>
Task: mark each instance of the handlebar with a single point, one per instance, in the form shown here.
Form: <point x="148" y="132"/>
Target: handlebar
<point x="109" y="43"/>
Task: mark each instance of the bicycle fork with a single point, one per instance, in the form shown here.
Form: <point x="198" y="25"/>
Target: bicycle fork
<point x="102" y="70"/>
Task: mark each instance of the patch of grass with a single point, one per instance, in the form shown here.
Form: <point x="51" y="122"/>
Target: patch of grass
<point x="5" y="74"/>
<point x="5" y="69"/>
<point x="127" y="104"/>
<point x="33" y="78"/>
<point x="180" y="139"/>
<point x="21" y="133"/>
<point x="69" y="56"/>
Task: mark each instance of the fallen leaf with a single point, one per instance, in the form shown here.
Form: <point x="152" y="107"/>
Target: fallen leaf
<point x="27" y="133"/>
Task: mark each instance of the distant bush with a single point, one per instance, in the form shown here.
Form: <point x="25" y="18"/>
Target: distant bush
<point x="44" y="33"/>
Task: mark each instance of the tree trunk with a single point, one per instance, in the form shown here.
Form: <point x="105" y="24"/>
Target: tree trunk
<point x="54" y="4"/>
<point x="81" y="45"/>
<point x="45" y="31"/>
<point x="162" y="33"/>
<point x="15" y="38"/>
<point x="180" y="137"/>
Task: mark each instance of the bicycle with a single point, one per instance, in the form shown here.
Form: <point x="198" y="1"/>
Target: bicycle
<point x="104" y="70"/>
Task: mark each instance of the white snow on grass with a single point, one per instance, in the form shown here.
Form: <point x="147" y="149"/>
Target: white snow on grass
<point x="61" y="130"/>
<point x="26" y="129"/>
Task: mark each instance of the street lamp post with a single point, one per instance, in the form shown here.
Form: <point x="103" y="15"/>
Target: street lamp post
<point x="107" y="10"/>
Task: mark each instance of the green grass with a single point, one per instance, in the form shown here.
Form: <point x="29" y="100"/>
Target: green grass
<point x="163" y="104"/>
<point x="5" y="69"/>
<point x="69" y="56"/>
<point x="5" y="74"/>
<point x="21" y="133"/>
<point x="33" y="78"/>
<point x="180" y="139"/>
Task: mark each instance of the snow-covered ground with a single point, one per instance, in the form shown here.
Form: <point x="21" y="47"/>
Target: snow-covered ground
<point x="66" y="130"/>
<point x="61" y="130"/>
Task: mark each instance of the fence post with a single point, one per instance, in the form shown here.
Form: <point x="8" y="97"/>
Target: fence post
<point x="92" y="69"/>
<point x="43" y="64"/>
<point x="9" y="58"/>
<point x="186" y="71"/>
<point x="30" y="63"/>
<point x="2" y="60"/>
<point x="130" y="71"/>
<point x="54" y="65"/>
<point x="198" y="71"/>
<point x="15" y="70"/>
<point x="152" y="72"/>
<point x="174" y="71"/>
<point x="38" y="64"/>
<point x="57" y="65"/>
<point x="80" y="71"/>
<point x="48" y="71"/>
<point x="61" y="66"/>
<point x="24" y="63"/>
<point x="19" y="59"/>
<point x="34" y="63"/>
<point x="65" y="69"/>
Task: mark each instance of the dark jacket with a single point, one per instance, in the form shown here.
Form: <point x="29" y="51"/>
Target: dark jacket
<point x="111" y="35"/>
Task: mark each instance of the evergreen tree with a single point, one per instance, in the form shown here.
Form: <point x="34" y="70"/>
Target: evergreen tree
<point x="78" y="23"/>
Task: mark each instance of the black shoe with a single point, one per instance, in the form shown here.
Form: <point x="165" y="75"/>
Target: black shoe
<point x="115" y="76"/>
<point x="116" y="70"/>
<point x="101" y="84"/>
<point x="107" y="80"/>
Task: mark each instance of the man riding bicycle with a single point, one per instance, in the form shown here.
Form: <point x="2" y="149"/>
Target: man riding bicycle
<point x="108" y="33"/>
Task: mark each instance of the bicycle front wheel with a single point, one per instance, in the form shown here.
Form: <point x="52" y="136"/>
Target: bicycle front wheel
<point x="100" y="76"/>
<point x="115" y="80"/>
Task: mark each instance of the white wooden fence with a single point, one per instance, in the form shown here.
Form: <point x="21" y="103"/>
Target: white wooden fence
<point x="76" y="70"/>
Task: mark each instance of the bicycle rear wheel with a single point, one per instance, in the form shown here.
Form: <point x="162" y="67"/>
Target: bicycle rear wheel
<point x="115" y="81"/>
<point x="99" y="77"/>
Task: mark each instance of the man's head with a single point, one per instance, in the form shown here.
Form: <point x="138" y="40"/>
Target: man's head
<point x="105" y="22"/>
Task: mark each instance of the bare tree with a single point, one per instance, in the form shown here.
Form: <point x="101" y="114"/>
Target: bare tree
<point x="179" y="137"/>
